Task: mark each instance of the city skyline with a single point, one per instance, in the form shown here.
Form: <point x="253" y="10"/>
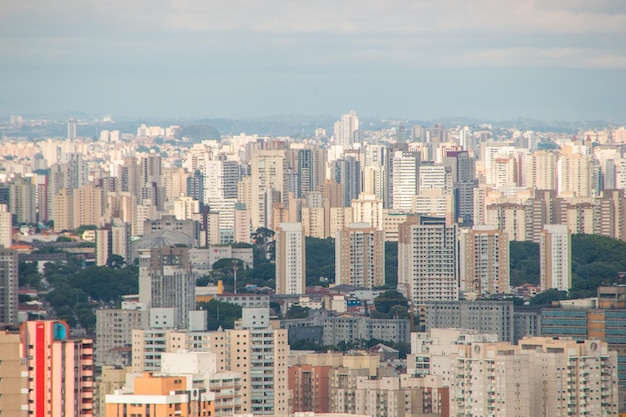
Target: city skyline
<point x="551" y="61"/>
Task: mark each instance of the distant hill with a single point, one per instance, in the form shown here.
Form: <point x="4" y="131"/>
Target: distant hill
<point x="198" y="132"/>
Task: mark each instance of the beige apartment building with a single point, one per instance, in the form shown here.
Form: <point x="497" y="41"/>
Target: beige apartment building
<point x="485" y="270"/>
<point x="13" y="376"/>
<point x="260" y="354"/>
<point x="539" y="376"/>
<point x="555" y="258"/>
<point x="360" y="256"/>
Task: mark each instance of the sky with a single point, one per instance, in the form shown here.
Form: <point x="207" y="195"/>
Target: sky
<point x="414" y="59"/>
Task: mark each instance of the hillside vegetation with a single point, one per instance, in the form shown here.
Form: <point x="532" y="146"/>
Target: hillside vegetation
<point x="596" y="261"/>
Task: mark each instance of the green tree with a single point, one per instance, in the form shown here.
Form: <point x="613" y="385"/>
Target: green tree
<point x="385" y="301"/>
<point x="220" y="314"/>
<point x="115" y="261"/>
<point x="524" y="263"/>
<point x="297" y="312"/>
<point x="28" y="275"/>
<point x="391" y="264"/>
<point x="81" y="229"/>
<point x="549" y="296"/>
<point x="320" y="261"/>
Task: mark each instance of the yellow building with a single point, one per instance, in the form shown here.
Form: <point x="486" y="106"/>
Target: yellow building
<point x="161" y="396"/>
<point x="13" y="382"/>
<point x="112" y="378"/>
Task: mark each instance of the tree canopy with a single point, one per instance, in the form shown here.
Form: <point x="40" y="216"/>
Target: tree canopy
<point x="320" y="261"/>
<point x="391" y="264"/>
<point x="220" y="314"/>
<point x="596" y="261"/>
<point x="386" y="302"/>
<point x="198" y="132"/>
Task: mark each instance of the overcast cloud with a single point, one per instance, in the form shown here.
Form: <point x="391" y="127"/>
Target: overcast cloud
<point x="550" y="59"/>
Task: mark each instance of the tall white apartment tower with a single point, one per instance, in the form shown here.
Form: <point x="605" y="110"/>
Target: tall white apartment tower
<point x="574" y="176"/>
<point x="221" y="180"/>
<point x="405" y="183"/>
<point x="6" y="226"/>
<point x="555" y="258"/>
<point x="268" y="184"/>
<point x="290" y="259"/>
<point x="346" y="129"/>
<point x="540" y="170"/>
<point x="428" y="260"/>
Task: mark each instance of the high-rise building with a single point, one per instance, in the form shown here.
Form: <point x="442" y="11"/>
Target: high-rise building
<point x="186" y="208"/>
<point x="405" y="183"/>
<point x="610" y="214"/>
<point x="166" y="281"/>
<point x="434" y="202"/>
<point x="574" y="176"/>
<point x="23" y="200"/>
<point x="360" y="256"/>
<point x="89" y="205"/>
<point x="260" y="353"/>
<point x="77" y="169"/>
<point x="42" y="197"/>
<point x="195" y="186"/>
<point x="174" y="182"/>
<point x="428" y="260"/>
<point x="221" y="180"/>
<point x="437" y="176"/>
<point x="347" y="130"/>
<point x="130" y="176"/>
<point x="8" y="286"/>
<point x="6" y="226"/>
<point x="540" y="170"/>
<point x="346" y="171"/>
<point x="368" y="209"/>
<point x="150" y="174"/>
<point x="242" y="224"/>
<point x="464" y="182"/>
<point x="485" y="269"/>
<point x="60" y="370"/>
<point x="290" y="259"/>
<point x="114" y="331"/>
<point x="539" y="376"/>
<point x="268" y="184"/>
<point x="63" y="210"/>
<point x="13" y="376"/>
<point x="71" y="129"/>
<point x="511" y="218"/>
<point x="555" y="258"/>
<point x="112" y="378"/>
<point x="310" y="165"/>
<point x="308" y="387"/>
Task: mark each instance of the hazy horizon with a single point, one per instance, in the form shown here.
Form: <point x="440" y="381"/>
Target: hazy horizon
<point x="489" y="60"/>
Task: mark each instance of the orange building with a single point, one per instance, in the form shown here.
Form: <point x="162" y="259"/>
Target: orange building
<point x="161" y="396"/>
<point x="309" y="388"/>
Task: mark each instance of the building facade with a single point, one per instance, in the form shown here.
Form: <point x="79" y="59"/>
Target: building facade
<point x="360" y="256"/>
<point x="290" y="259"/>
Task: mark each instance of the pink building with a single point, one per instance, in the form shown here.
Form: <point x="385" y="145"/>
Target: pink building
<point x="60" y="370"/>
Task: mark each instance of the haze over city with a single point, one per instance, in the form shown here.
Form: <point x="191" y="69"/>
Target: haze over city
<point x="549" y="60"/>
